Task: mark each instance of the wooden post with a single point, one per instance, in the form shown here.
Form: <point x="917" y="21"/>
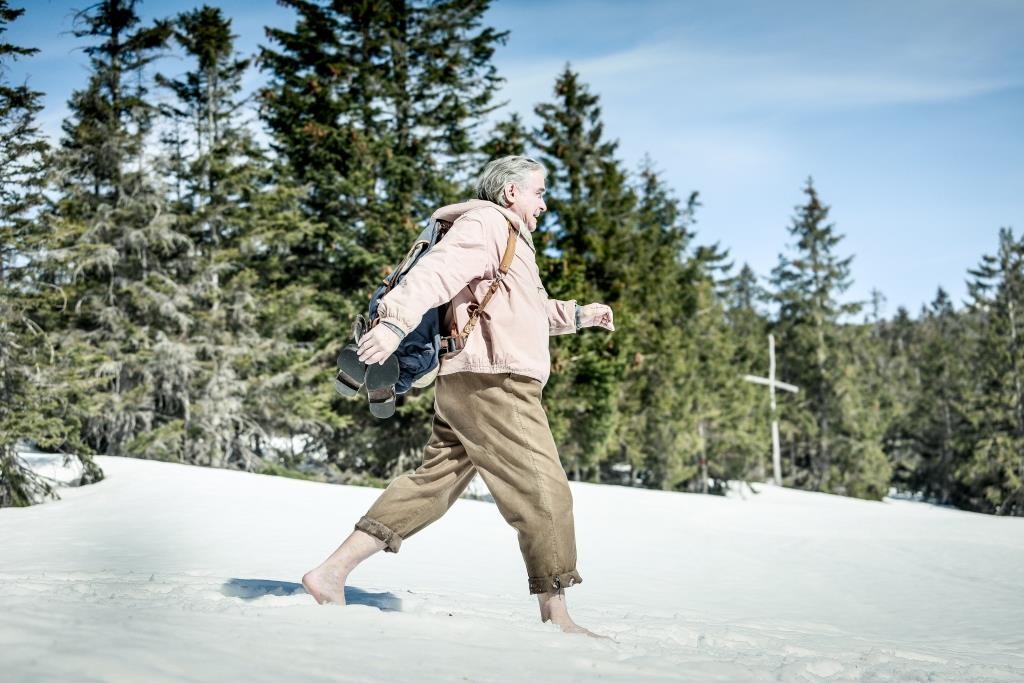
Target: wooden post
<point x="772" y="383"/>
<point x="703" y="459"/>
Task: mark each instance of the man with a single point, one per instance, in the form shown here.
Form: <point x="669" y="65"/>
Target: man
<point x="488" y="413"/>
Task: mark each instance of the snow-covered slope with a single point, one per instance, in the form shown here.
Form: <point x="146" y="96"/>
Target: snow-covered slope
<point x="166" y="572"/>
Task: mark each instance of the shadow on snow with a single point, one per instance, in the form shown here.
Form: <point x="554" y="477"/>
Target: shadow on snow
<point x="251" y="589"/>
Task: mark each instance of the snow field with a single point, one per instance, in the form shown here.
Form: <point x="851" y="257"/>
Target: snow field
<point x="166" y="572"/>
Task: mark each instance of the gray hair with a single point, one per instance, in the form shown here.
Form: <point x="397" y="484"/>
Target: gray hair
<point x="500" y="172"/>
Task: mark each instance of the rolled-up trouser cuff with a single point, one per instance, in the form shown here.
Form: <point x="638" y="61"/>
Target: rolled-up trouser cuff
<point x="550" y="584"/>
<point x="378" y="530"/>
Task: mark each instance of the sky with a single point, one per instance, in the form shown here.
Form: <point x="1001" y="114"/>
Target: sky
<point x="907" y="116"/>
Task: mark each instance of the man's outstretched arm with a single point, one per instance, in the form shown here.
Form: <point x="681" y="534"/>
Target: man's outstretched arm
<point x="565" y="317"/>
<point x="562" y="317"/>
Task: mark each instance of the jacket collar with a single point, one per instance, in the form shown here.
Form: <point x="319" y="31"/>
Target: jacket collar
<point x="453" y="211"/>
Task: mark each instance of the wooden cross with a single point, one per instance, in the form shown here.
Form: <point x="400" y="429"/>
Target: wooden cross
<point x="772" y="383"/>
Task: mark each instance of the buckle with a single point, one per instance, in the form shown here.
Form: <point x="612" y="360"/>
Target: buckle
<point x="359" y="327"/>
<point x="452" y="344"/>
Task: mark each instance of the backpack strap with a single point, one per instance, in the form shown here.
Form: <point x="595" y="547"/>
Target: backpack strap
<point x="457" y="340"/>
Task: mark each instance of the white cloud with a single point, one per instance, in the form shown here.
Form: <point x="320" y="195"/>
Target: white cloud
<point x="668" y="80"/>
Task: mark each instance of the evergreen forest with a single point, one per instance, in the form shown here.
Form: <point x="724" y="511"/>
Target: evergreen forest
<point x="179" y="270"/>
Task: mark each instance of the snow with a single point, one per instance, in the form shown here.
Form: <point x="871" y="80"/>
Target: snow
<point x="166" y="572"/>
<point x="56" y="468"/>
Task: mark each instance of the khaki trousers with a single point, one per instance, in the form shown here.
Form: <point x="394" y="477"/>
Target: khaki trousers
<point x="493" y="424"/>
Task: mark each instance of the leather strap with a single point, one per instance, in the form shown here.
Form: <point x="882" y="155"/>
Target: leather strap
<point x="458" y="339"/>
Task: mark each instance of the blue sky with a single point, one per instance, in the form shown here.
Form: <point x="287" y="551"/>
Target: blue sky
<point x="908" y="115"/>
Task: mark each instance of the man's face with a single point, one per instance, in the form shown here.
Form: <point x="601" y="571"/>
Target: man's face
<point x="527" y="200"/>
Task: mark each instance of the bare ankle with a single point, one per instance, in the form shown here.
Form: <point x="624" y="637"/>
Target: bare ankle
<point x="553" y="607"/>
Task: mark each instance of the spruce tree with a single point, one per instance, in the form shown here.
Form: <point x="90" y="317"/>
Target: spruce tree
<point x="901" y="341"/>
<point x="118" y="252"/>
<point x="828" y="451"/>
<point x="866" y="406"/>
<point x="651" y="328"/>
<point x="33" y="403"/>
<point x="508" y="137"/>
<point x="709" y="379"/>
<point x="749" y="424"/>
<point x="589" y="224"/>
<point x="728" y="417"/>
<point x="935" y="427"/>
<point x="217" y="171"/>
<point x="373" y="106"/>
<point x="994" y="473"/>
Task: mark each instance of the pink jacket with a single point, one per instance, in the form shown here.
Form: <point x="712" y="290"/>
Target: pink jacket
<point x="512" y="333"/>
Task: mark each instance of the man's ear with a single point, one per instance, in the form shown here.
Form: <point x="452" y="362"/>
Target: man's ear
<point x="509" y="193"/>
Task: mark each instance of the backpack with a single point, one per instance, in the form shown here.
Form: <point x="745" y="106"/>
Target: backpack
<point x="419" y="351"/>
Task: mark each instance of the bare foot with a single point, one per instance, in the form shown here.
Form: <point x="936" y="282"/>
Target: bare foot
<point x="324" y="586"/>
<point x="326" y="583"/>
<point x="553" y="609"/>
<point x="570" y="626"/>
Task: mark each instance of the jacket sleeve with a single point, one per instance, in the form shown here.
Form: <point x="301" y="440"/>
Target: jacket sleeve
<point x="561" y="317"/>
<point x="467" y="252"/>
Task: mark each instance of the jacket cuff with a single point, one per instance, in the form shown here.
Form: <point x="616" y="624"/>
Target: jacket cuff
<point x="561" y="317"/>
<point x="394" y="328"/>
<point x="397" y="316"/>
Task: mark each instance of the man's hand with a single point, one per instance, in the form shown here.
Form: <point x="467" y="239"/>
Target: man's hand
<point x="376" y="345"/>
<point x="597" y="315"/>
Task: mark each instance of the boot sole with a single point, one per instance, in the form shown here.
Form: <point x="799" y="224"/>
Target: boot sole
<point x="382" y="375"/>
<point x="351" y="371"/>
<point x="382" y="402"/>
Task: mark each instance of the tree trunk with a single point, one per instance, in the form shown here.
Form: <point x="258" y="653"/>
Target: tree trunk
<point x="703" y="459"/>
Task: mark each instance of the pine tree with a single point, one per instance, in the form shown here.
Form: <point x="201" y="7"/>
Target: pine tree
<point x="104" y="137"/>
<point x="217" y="171"/>
<point x="509" y="137"/>
<point x="901" y="340"/>
<point x="651" y="329"/>
<point x="591" y="212"/>
<point x="33" y="405"/>
<point x="866" y="405"/>
<point x="118" y="253"/>
<point x="750" y="420"/>
<point x="994" y="474"/>
<point x="726" y="418"/>
<point x="709" y="377"/>
<point x="828" y="452"/>
<point x="373" y="106"/>
<point x="934" y="428"/>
